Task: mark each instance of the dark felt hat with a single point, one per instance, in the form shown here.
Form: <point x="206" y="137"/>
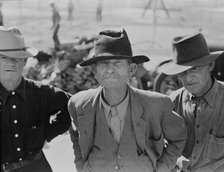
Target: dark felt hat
<point x="112" y="44"/>
<point x="189" y="51"/>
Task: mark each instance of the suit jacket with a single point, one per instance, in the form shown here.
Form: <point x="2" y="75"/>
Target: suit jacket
<point x="153" y="120"/>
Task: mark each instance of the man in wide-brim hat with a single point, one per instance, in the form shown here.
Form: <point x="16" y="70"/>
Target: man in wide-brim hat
<point x="117" y="127"/>
<point x="26" y="108"/>
<point x="200" y="102"/>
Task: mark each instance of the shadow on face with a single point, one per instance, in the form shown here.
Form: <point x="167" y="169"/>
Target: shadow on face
<point x="11" y="68"/>
<point x="197" y="80"/>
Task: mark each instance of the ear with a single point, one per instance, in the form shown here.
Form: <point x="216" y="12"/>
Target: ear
<point x="93" y="67"/>
<point x="133" y="68"/>
<point x="25" y="61"/>
<point x="211" y="66"/>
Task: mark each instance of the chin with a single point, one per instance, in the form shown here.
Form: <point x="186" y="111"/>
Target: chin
<point x="112" y="85"/>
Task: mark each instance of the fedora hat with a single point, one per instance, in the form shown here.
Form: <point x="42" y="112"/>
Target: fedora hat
<point x="112" y="44"/>
<point x="12" y="44"/>
<point x="189" y="51"/>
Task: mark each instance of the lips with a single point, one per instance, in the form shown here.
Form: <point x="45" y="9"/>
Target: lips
<point x="191" y="84"/>
<point x="10" y="70"/>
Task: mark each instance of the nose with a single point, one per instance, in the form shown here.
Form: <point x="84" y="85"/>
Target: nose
<point x="187" y="76"/>
<point x="110" y="68"/>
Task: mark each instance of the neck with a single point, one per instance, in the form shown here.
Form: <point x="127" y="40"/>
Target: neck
<point x="11" y="85"/>
<point x="115" y="96"/>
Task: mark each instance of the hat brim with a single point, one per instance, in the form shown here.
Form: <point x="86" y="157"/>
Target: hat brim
<point x="27" y="52"/>
<point x="172" y="68"/>
<point x="135" y="59"/>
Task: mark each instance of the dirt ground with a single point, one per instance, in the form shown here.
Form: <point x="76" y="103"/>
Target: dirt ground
<point x="33" y="17"/>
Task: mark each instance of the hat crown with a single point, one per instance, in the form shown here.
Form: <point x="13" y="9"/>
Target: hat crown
<point x="111" y="42"/>
<point x="189" y="48"/>
<point x="11" y="38"/>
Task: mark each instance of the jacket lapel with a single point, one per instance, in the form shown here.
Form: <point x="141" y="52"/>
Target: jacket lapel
<point x="138" y="122"/>
<point x="86" y="123"/>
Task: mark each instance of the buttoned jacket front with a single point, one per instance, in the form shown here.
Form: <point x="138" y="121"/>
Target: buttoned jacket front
<point x="152" y="118"/>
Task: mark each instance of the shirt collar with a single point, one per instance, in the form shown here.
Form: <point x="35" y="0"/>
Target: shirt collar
<point x="19" y="90"/>
<point x="121" y="108"/>
<point x="209" y="97"/>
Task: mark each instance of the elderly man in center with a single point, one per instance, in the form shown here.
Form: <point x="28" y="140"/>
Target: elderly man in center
<point x="119" y="128"/>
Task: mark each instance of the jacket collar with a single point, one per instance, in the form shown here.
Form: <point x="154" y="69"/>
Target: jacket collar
<point x="139" y="123"/>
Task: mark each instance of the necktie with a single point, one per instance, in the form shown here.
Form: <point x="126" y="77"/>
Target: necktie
<point x="115" y="124"/>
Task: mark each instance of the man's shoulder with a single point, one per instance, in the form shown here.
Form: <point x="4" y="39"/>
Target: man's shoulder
<point x="149" y="94"/>
<point x="221" y="83"/>
<point x="177" y="93"/>
<point x="40" y="86"/>
<point x="150" y="97"/>
<point x="83" y="96"/>
<point x="37" y="84"/>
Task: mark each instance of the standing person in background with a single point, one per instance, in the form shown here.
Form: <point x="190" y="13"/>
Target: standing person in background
<point x="31" y="113"/>
<point x="117" y="127"/>
<point x="1" y="15"/>
<point x="56" y="18"/>
<point x="200" y="102"/>
<point x="99" y="9"/>
<point x="70" y="10"/>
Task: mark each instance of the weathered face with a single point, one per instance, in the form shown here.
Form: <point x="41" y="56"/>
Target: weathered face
<point x="114" y="73"/>
<point x="11" y="68"/>
<point x="196" y="79"/>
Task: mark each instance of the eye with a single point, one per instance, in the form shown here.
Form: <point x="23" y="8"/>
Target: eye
<point x="118" y="63"/>
<point x="2" y="57"/>
<point x="195" y="69"/>
<point x="102" y="63"/>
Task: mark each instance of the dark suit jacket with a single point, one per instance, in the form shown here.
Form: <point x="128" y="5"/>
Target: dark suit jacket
<point x="153" y="120"/>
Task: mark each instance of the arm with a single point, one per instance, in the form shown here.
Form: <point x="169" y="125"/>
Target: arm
<point x="175" y="133"/>
<point x="58" y="119"/>
<point x="74" y="135"/>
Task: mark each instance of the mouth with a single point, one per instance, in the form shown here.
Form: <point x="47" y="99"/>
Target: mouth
<point x="191" y="84"/>
<point x="110" y="77"/>
<point x="10" y="70"/>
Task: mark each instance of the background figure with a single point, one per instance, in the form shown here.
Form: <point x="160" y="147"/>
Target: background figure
<point x="70" y="10"/>
<point x="99" y="9"/>
<point x="1" y="15"/>
<point x="56" y="18"/>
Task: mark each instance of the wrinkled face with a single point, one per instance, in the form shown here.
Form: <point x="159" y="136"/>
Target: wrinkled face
<point x="196" y="79"/>
<point x="11" y="68"/>
<point x="114" y="73"/>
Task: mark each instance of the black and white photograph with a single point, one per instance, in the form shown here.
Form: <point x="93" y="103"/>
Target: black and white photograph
<point x="112" y="85"/>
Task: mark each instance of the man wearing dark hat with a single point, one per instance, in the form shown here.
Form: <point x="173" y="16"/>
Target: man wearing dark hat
<point x="31" y="113"/>
<point x="117" y="127"/>
<point x="200" y="102"/>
